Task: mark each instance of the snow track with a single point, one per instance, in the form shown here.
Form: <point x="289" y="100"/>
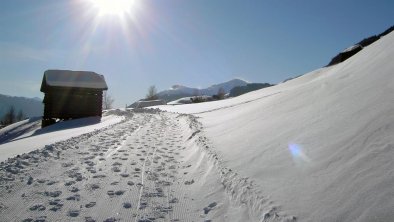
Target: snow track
<point x="146" y="168"/>
<point x="241" y="190"/>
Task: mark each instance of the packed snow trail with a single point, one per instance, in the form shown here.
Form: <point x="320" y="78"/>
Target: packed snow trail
<point x="145" y="168"/>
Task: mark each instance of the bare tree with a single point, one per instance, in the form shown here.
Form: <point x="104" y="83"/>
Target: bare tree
<point x="152" y="93"/>
<point x="107" y="100"/>
<point x="221" y="93"/>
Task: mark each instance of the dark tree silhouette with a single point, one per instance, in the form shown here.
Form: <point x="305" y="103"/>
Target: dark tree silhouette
<point x="152" y="93"/>
<point x="9" y="117"/>
<point x="20" y="116"/>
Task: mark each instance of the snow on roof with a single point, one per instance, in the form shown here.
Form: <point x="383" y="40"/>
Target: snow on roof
<point x="351" y="48"/>
<point x="75" y="79"/>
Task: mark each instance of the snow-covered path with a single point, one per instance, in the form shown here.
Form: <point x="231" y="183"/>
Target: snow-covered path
<point x="145" y="168"/>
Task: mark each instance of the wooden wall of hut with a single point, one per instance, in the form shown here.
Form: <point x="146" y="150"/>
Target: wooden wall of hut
<point x="72" y="103"/>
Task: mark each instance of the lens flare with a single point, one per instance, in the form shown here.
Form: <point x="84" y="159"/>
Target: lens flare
<point x="298" y="154"/>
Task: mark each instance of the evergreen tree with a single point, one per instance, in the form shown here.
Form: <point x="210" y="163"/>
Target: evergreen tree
<point x="9" y="117"/>
<point x="20" y="116"/>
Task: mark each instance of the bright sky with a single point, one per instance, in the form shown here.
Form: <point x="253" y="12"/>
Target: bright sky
<point x="166" y="42"/>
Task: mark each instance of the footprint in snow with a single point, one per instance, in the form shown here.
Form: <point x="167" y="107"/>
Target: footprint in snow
<point x="116" y="169"/>
<point x="124" y="174"/>
<point x="209" y="208"/>
<point x="56" y="203"/>
<point x="91" y="204"/>
<point x="89" y="219"/>
<point x="73" y="213"/>
<point x="127" y="205"/>
<point x="30" y="180"/>
<point x="110" y="193"/>
<point x="174" y="200"/>
<point x="53" y="194"/>
<point x="111" y="219"/>
<point x="75" y="197"/>
<point x="95" y="186"/>
<point x="51" y="183"/>
<point x="99" y="176"/>
<point x="41" y="181"/>
<point x="74" y="189"/>
<point x="37" y="219"/>
<point x="119" y="192"/>
<point x="189" y="182"/>
<point x="37" y="207"/>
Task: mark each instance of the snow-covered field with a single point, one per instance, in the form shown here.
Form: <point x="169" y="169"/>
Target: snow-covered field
<point x="147" y="167"/>
<point x="317" y="148"/>
<point x="27" y="135"/>
<point x="320" y="147"/>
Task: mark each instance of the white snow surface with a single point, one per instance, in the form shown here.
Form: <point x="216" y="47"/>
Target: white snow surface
<point x="33" y="137"/>
<point x="67" y="78"/>
<point x="149" y="167"/>
<point x="321" y="146"/>
<point x="181" y="101"/>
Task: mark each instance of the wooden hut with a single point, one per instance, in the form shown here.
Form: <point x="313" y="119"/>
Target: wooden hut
<point x="71" y="95"/>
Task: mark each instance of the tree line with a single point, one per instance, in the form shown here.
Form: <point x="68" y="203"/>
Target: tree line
<point x="11" y="116"/>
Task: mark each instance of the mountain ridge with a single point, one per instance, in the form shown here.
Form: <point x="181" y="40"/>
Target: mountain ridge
<point x="179" y="91"/>
<point x="29" y="106"/>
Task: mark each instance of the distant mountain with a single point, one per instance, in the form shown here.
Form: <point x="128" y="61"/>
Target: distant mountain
<point x="179" y="91"/>
<point x="29" y="106"/>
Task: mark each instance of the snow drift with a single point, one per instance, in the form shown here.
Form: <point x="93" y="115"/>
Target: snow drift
<point x="320" y="146"/>
<point x="26" y="136"/>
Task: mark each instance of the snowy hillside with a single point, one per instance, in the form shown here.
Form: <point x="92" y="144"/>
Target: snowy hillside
<point x="27" y="135"/>
<point x="319" y="147"/>
<point x="146" y="167"/>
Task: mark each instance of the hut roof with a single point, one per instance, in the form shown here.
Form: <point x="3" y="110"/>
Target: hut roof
<point x="73" y="79"/>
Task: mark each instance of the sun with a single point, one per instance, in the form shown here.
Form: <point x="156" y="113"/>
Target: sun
<point x="113" y="7"/>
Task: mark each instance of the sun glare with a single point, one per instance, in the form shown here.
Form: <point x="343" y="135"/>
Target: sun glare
<point x="113" y="7"/>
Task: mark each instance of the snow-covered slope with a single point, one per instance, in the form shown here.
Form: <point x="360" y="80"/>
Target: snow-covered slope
<point x="320" y="147"/>
<point x="145" y="168"/>
<point x="27" y="135"/>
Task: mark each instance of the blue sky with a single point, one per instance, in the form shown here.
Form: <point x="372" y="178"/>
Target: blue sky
<point x="166" y="42"/>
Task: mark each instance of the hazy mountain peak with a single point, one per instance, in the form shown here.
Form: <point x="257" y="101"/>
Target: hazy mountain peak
<point x="178" y="91"/>
<point x="175" y="87"/>
<point x="29" y="106"/>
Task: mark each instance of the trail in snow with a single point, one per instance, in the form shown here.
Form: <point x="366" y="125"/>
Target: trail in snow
<point x="145" y="168"/>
